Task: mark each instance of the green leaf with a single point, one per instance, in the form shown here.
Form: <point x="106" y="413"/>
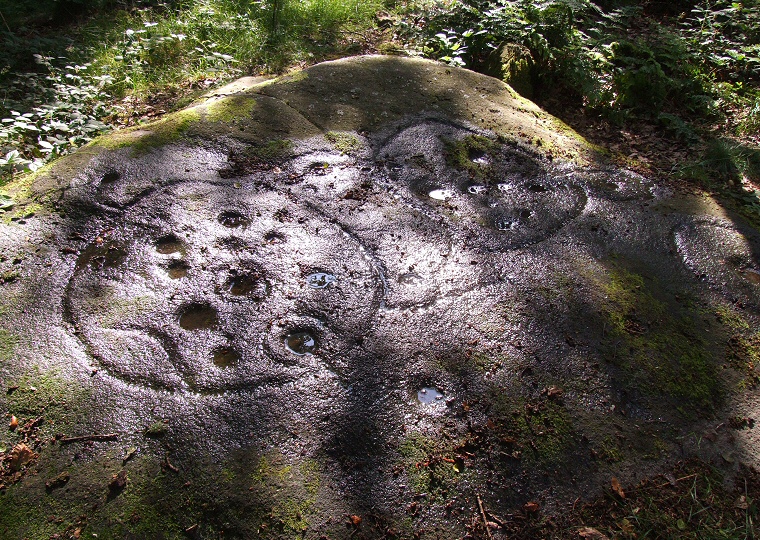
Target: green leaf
<point x="6" y="203"/>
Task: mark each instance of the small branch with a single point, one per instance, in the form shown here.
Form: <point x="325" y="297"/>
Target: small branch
<point x="5" y="23"/>
<point x="108" y="437"/>
<point x="483" y="515"/>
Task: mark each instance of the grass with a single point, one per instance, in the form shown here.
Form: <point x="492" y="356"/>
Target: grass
<point x="120" y="63"/>
<point x="692" y="501"/>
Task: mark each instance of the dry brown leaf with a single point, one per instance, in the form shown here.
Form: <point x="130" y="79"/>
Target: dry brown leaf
<point x="531" y="507"/>
<point x="591" y="534"/>
<point x="617" y="488"/>
<point x="355" y="520"/>
<point x="741" y="503"/>
<point x="20" y="456"/>
<point x="14" y="423"/>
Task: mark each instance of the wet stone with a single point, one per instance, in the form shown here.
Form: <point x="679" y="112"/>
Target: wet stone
<point x="233" y="220"/>
<point x="225" y="357"/>
<point x="506" y="225"/>
<point x="320" y="280"/>
<point x="410" y="278"/>
<point x="169" y="244"/>
<point x="300" y="343"/>
<point x="477" y="189"/>
<point x="198" y="317"/>
<point x="429" y="395"/>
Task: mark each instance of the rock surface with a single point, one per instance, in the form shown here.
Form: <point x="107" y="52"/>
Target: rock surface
<point x="375" y="289"/>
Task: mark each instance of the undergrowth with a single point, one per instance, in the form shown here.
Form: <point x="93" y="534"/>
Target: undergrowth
<point x="60" y="87"/>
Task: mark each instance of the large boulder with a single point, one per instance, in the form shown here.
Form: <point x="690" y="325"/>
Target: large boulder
<point x="355" y="300"/>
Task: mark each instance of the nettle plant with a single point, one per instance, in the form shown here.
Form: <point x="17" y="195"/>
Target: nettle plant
<point x="73" y="100"/>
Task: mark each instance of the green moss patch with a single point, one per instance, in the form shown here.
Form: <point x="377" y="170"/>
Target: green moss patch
<point x="432" y="465"/>
<point x="663" y="347"/>
<point x="538" y="431"/>
<point x="296" y="486"/>
<point x="8" y="342"/>
<point x="230" y="109"/>
<point x="463" y="154"/>
<point x="343" y="142"/>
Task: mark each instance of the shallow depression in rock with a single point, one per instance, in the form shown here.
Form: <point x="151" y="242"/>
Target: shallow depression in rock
<point x="226" y="357"/>
<point x="177" y="269"/>
<point x="198" y="317"/>
<point x="233" y="219"/>
<point x="166" y="245"/>
<point x="248" y="285"/>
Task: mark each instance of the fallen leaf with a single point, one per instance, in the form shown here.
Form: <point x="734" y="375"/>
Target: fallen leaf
<point x="617" y="488"/>
<point x="14" y="423"/>
<point x="591" y="534"/>
<point x="554" y="392"/>
<point x="20" y="456"/>
<point x="118" y="481"/>
<point x="129" y="455"/>
<point x="58" y="481"/>
<point x="531" y="507"/>
<point x="741" y="503"/>
<point x="355" y="520"/>
<point x="6" y="203"/>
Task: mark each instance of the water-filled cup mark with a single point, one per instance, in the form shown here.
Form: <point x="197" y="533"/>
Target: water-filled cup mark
<point x="300" y="343"/>
<point x="506" y="224"/>
<point x="479" y="157"/>
<point x="166" y="245"/>
<point x="233" y="219"/>
<point x="477" y="189"/>
<point x="525" y="214"/>
<point x="537" y="188"/>
<point x="177" y="269"/>
<point x="320" y="280"/>
<point x="226" y="357"/>
<point x="198" y="317"/>
<point x="109" y="255"/>
<point x="429" y="395"/>
<point x="441" y="194"/>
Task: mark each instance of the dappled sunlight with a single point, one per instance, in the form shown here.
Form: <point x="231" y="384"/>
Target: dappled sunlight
<point x="336" y="334"/>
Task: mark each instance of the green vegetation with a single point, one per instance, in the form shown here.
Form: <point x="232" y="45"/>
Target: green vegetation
<point x="664" y="349"/>
<point x="674" y="75"/>
<point x="535" y="431"/>
<point x="685" y="70"/>
<point x="465" y="152"/>
<point x="431" y="465"/>
<point x="345" y="143"/>
<point x="115" y="62"/>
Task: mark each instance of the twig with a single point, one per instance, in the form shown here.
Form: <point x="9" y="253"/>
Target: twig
<point x="483" y="515"/>
<point x="108" y="437"/>
<point x="496" y="519"/>
<point x="170" y="466"/>
<point x="5" y="23"/>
